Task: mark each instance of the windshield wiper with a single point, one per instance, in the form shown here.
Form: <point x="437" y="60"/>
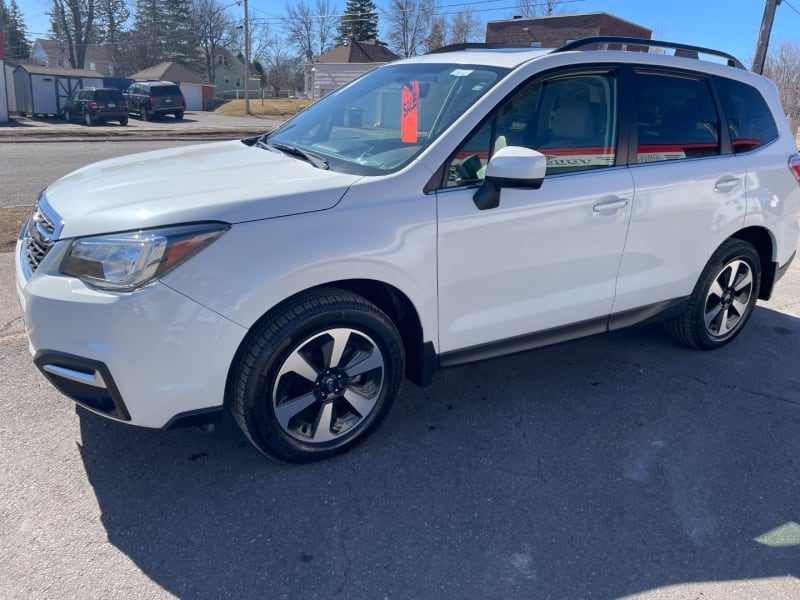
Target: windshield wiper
<point x="315" y="160"/>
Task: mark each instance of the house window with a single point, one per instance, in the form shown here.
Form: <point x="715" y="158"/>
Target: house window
<point x="227" y="79"/>
<point x="238" y="82"/>
<point x="92" y="66"/>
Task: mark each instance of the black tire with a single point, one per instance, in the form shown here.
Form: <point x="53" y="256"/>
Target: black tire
<point x="352" y="363"/>
<point x="67" y="116"/>
<point x="146" y="116"/>
<point x="723" y="298"/>
<point x="88" y="119"/>
<point x="179" y="115"/>
<point x="123" y="121"/>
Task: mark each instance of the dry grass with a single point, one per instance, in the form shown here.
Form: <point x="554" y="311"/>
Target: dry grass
<point x="11" y="220"/>
<point x="268" y="107"/>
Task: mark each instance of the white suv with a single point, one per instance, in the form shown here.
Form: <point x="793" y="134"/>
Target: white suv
<point x="442" y="209"/>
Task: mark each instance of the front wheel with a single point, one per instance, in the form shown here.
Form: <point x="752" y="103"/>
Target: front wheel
<point x="318" y="377"/>
<point x="722" y="300"/>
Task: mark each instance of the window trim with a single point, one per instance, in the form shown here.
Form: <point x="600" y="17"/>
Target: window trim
<point x="438" y="181"/>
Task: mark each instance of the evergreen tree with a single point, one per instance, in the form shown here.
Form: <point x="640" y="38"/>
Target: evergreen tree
<point x="16" y="44"/>
<point x="110" y="19"/>
<point x="162" y="31"/>
<point x="183" y="43"/>
<point x="148" y="43"/>
<point x="359" y="22"/>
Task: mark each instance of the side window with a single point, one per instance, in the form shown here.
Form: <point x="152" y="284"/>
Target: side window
<point x="570" y="119"/>
<point x="749" y="118"/>
<point x="676" y="118"/>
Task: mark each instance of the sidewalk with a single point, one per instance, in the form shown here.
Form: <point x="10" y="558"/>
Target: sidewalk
<point x="194" y="125"/>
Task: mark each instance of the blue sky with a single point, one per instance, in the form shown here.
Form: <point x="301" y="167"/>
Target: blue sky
<point x="728" y="25"/>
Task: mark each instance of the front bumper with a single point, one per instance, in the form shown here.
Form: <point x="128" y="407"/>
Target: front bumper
<point x="148" y="358"/>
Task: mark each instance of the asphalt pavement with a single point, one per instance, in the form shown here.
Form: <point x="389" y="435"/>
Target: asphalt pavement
<point x="620" y="465"/>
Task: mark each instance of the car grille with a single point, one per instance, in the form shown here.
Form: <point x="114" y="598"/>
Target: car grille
<point x="39" y="235"/>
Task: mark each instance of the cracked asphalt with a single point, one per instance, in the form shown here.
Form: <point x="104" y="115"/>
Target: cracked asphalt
<point x="621" y="465"/>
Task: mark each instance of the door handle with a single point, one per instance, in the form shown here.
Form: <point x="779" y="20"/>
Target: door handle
<point x="726" y="184"/>
<point x="610" y="205"/>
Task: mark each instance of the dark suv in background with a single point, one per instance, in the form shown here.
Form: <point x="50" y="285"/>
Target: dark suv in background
<point x="96" y="105"/>
<point x="155" y="98"/>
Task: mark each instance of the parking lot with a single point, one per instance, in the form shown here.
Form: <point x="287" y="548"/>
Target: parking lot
<point x="621" y="465"/>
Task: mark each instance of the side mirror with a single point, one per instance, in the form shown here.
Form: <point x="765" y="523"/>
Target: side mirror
<point x="510" y="167"/>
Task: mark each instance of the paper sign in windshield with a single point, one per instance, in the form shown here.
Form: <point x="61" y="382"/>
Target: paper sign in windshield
<point x="410" y="107"/>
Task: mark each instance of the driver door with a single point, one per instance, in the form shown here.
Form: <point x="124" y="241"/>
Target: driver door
<point x="543" y="259"/>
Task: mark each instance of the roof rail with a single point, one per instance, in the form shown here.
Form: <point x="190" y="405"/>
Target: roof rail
<point x="682" y="48"/>
<point x="475" y="46"/>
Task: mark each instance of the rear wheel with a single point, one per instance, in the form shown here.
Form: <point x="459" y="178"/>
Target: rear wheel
<point x="88" y="119"/>
<point x="318" y="377"/>
<point x="123" y="121"/>
<point x="722" y="300"/>
<point x="145" y="112"/>
<point x="179" y="115"/>
<point x="67" y="116"/>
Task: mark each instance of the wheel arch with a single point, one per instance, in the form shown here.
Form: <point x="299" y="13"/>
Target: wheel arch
<point x="421" y="359"/>
<point x="761" y="239"/>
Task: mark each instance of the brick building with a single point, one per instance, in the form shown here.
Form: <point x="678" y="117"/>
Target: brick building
<point x="557" y="30"/>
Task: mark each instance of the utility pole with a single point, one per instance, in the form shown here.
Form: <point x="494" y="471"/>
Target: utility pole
<point x="246" y="60"/>
<point x="3" y="99"/>
<point x="763" y="36"/>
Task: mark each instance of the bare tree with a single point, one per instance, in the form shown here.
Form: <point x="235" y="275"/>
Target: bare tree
<point x="409" y="25"/>
<point x="537" y="8"/>
<point x="465" y="27"/>
<point x="212" y="25"/>
<point x="327" y="24"/>
<point x="783" y="67"/>
<point x="73" y="23"/>
<point x="437" y="33"/>
<point x="311" y="28"/>
<point x="283" y="69"/>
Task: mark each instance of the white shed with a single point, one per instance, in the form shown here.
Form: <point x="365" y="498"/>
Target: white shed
<point x="45" y="90"/>
<point x="343" y="64"/>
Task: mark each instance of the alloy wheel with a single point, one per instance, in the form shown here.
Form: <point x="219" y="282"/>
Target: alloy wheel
<point x="728" y="298"/>
<point x="328" y="385"/>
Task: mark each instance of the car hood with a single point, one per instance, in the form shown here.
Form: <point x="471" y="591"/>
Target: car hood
<point x="224" y="181"/>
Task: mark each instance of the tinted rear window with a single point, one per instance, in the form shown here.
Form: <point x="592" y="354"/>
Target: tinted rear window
<point x="749" y="118"/>
<point x="165" y="90"/>
<point x="106" y="95"/>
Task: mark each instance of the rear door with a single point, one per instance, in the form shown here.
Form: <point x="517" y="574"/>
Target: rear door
<point x="690" y="189"/>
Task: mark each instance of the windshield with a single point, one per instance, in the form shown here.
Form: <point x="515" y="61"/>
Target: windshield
<point x="382" y="120"/>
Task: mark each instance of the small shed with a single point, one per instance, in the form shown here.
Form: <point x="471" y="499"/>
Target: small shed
<point x="45" y="90"/>
<point x="196" y="91"/>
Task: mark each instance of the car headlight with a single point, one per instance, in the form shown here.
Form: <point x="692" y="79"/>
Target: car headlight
<point x="129" y="260"/>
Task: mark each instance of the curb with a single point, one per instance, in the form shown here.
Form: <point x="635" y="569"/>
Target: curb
<point x="112" y="135"/>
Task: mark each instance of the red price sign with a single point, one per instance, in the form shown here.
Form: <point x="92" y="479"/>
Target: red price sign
<point x="410" y="107"/>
